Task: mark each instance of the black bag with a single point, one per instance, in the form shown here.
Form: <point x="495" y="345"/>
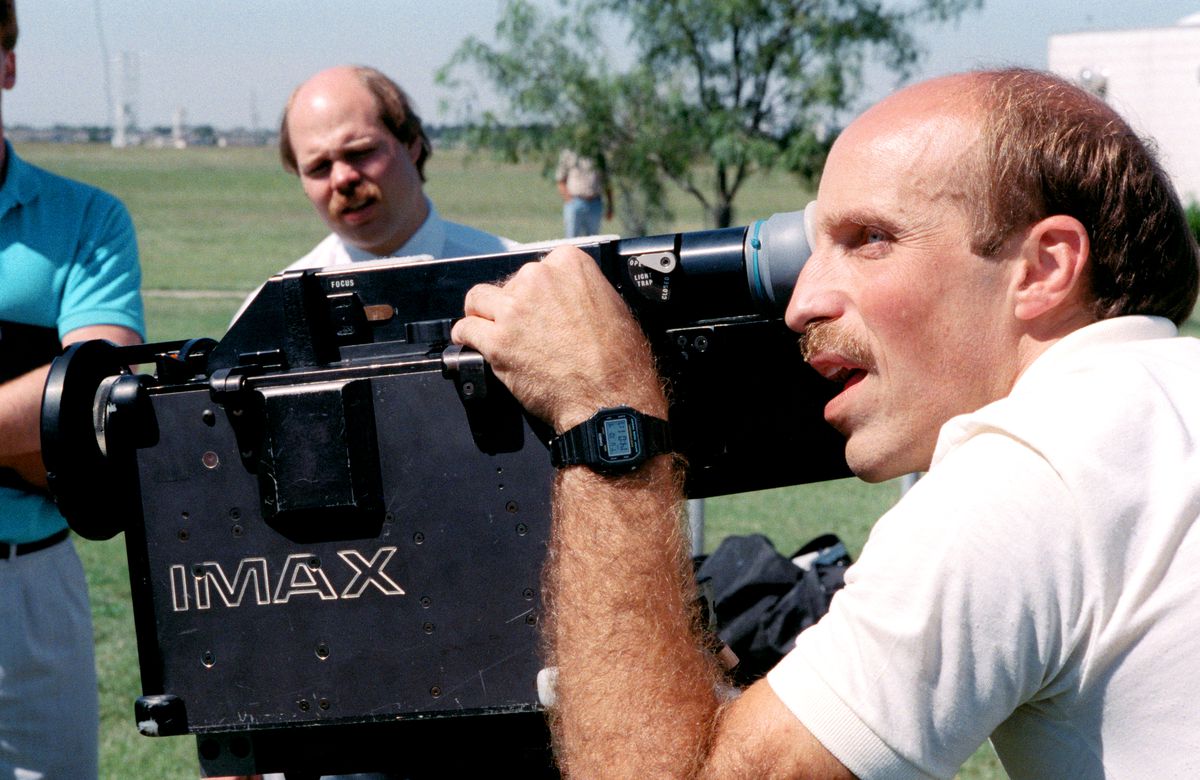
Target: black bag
<point x="760" y="600"/>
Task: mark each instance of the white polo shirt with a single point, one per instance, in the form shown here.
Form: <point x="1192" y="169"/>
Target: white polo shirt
<point x="436" y="238"/>
<point x="1040" y="585"/>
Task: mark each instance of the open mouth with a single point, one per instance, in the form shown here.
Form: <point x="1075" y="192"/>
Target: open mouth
<point x="352" y="204"/>
<point x="354" y="211"/>
<point x="837" y="369"/>
<point x="355" y="206"/>
<point x="847" y="376"/>
<point x="840" y="371"/>
<point x="844" y="375"/>
<point x="851" y="376"/>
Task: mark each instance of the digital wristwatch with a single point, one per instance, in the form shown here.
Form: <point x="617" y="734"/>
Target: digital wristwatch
<point x="612" y="441"/>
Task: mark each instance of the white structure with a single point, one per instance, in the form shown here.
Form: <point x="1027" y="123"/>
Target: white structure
<point x="125" y="104"/>
<point x="1152" y="77"/>
<point x="179" y="128"/>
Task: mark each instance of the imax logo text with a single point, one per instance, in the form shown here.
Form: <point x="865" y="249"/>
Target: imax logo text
<point x="298" y="577"/>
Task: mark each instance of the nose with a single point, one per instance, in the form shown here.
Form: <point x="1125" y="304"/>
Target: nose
<point x="816" y="296"/>
<point x="344" y="175"/>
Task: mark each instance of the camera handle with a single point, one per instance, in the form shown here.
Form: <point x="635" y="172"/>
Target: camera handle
<point x="492" y="412"/>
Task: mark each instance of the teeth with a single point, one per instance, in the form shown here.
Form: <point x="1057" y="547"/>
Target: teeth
<point x="354" y="205"/>
<point x="840" y="375"/>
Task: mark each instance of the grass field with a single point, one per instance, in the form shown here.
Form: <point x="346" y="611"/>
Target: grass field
<point x="222" y="220"/>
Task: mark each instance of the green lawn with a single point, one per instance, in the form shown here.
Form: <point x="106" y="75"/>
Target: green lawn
<point x="225" y="219"/>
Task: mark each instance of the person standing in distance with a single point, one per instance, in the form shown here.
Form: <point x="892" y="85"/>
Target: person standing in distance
<point x="586" y="193"/>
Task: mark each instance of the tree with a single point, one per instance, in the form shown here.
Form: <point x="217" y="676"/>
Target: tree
<point x="717" y="90"/>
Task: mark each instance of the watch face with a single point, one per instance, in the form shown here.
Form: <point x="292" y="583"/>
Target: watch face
<point x="619" y="440"/>
<point x="612" y="441"/>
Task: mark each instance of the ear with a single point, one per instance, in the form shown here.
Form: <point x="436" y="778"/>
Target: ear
<point x="10" y="69"/>
<point x="414" y="149"/>
<point x="1052" y="268"/>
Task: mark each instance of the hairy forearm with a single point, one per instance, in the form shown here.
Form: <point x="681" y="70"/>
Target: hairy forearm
<point x="636" y="690"/>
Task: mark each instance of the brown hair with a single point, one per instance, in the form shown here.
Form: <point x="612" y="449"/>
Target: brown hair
<point x="8" y="25"/>
<point x="1052" y="148"/>
<point x="395" y="111"/>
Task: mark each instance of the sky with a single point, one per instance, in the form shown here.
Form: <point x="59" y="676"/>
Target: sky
<point x="232" y="63"/>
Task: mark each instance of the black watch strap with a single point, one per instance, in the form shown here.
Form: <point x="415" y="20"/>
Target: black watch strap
<point x="616" y="440"/>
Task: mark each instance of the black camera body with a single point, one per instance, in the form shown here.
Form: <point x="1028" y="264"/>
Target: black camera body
<point x="336" y="520"/>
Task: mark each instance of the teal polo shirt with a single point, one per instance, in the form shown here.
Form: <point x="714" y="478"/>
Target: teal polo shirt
<point x="68" y="259"/>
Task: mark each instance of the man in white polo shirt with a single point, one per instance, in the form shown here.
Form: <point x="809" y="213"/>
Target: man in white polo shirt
<point x="350" y="134"/>
<point x="999" y="270"/>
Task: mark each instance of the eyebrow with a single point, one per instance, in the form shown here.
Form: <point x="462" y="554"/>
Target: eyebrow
<point x="360" y="142"/>
<point x="354" y="144"/>
<point x="862" y="217"/>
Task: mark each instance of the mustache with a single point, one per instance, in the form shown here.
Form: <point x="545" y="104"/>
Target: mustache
<point x="342" y="201"/>
<point x="830" y="336"/>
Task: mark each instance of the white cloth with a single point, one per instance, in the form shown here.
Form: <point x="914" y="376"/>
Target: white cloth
<point x="582" y="177"/>
<point x="1040" y="584"/>
<point x="436" y="238"/>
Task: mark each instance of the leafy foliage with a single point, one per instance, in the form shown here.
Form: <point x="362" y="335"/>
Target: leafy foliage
<point x="715" y="90"/>
<point x="1192" y="212"/>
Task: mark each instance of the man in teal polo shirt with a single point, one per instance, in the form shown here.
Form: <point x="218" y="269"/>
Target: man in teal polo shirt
<point x="68" y="272"/>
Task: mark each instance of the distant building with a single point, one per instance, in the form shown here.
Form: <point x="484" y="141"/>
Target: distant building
<point x="1152" y="77"/>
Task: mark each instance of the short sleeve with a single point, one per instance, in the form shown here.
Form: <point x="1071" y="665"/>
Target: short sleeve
<point x="103" y="284"/>
<point x="566" y="160"/>
<point x="951" y="619"/>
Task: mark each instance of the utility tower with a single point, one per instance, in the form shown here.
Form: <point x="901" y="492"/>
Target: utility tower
<point x="125" y="103"/>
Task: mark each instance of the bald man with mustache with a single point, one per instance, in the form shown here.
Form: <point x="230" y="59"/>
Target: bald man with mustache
<point x="349" y="133"/>
<point x="1000" y="268"/>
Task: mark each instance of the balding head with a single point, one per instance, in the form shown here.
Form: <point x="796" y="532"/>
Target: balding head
<point x="359" y="152"/>
<point x="1050" y="147"/>
<point x="962" y="226"/>
<point x="1039" y="146"/>
<point x="935" y="128"/>
<point x="893" y="303"/>
<point x="392" y="106"/>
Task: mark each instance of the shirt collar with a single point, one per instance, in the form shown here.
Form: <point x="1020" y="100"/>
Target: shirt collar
<point x="429" y="240"/>
<point x="20" y="185"/>
<point x="1115" y="330"/>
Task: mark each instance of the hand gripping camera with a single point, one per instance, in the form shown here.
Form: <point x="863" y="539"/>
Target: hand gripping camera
<point x="335" y="520"/>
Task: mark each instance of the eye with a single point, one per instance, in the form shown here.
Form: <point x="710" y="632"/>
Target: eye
<point x="316" y="169"/>
<point x="866" y="234"/>
<point x="872" y="241"/>
<point x="872" y="235"/>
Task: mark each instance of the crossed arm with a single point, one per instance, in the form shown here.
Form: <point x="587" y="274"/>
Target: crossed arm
<point x="21" y="407"/>
<point x="637" y="691"/>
